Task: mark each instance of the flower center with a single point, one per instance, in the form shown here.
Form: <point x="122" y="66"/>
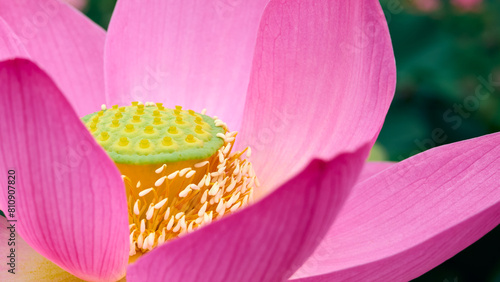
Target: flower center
<point x="178" y="169"/>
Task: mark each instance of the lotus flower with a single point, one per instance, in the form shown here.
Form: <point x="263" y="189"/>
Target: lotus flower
<point x="306" y="83"/>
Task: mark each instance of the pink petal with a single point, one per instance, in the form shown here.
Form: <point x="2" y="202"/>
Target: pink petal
<point x="372" y="168"/>
<point x="323" y="78"/>
<point x="267" y="241"/>
<point x="63" y="42"/>
<point x="70" y="199"/>
<point x="413" y="216"/>
<point x="29" y="265"/>
<point x="196" y="54"/>
<point x="10" y="46"/>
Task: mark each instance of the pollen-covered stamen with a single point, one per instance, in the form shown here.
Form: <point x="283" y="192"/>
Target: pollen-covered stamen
<point x="189" y="197"/>
<point x="179" y="169"/>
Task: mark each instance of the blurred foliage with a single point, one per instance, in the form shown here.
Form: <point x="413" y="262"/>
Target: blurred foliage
<point x="378" y="153"/>
<point x="441" y="57"/>
<point x="100" y="11"/>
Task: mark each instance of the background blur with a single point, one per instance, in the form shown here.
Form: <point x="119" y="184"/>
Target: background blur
<point x="444" y="51"/>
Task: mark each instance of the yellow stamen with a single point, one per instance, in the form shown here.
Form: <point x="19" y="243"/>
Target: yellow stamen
<point x="185" y="191"/>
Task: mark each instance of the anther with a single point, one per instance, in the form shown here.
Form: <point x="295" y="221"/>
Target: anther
<point x="160" y="169"/>
<point x="167" y="214"/>
<point x="183" y="171"/>
<point x="184" y="192"/>
<point x="149" y="213"/>
<point x="201" y="212"/>
<point x="191" y="173"/>
<point x="235" y="207"/>
<point x="173" y="175"/>
<point x="145" y="192"/>
<point x="170" y="223"/>
<point x="202" y="164"/>
<point x="160" y="204"/>
<point x="215" y="188"/>
<point x="136" y="207"/>
<point x="160" y="181"/>
<point x="114" y="107"/>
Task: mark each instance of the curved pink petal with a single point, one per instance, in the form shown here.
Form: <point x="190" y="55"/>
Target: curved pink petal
<point x="67" y="45"/>
<point x="10" y="46"/>
<point x="196" y="54"/>
<point x="29" y="265"/>
<point x="267" y="241"/>
<point x="322" y="80"/>
<point x="70" y="198"/>
<point x="372" y="168"/>
<point x="413" y="216"/>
